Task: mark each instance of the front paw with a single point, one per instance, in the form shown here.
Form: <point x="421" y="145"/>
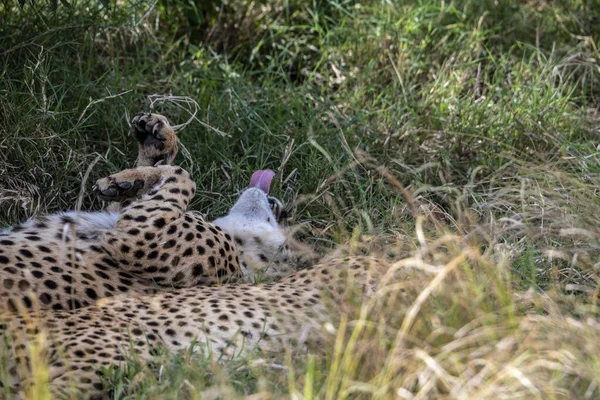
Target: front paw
<point x="114" y="189"/>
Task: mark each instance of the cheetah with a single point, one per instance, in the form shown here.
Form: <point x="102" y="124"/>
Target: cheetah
<point x="152" y="243"/>
<point x="227" y="321"/>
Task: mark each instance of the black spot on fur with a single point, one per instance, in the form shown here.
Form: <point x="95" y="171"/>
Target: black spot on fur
<point x="27" y="301"/>
<point x="221" y="272"/>
<point x="26" y="253"/>
<point x="45" y="298"/>
<point x="91" y="293"/>
<point x="101" y="274"/>
<point x="50" y="284"/>
<point x="198" y="270"/>
<point x="44" y="249"/>
<point x="152" y="255"/>
<point x="179" y="277"/>
<point x="66" y="220"/>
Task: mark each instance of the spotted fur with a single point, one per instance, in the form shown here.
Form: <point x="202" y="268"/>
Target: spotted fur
<point x="227" y="321"/>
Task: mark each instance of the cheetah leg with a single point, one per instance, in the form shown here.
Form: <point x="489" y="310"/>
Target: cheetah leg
<point x="157" y="146"/>
<point x="151" y="231"/>
<point x="162" y="194"/>
<point x="156" y="138"/>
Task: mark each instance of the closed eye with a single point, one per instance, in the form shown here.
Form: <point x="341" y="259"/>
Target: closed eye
<point x="277" y="209"/>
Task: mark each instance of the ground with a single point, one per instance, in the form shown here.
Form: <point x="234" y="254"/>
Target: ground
<point x="456" y="137"/>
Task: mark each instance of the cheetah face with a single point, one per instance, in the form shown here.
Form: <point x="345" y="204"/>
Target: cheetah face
<point x="253" y="222"/>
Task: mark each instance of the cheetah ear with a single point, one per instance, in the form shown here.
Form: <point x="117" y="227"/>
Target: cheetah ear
<point x="262" y="179"/>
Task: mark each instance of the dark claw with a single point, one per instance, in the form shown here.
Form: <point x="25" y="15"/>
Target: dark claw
<point x="138" y="184"/>
<point x="111" y="198"/>
<point x="124" y="185"/>
<point x="110" y="192"/>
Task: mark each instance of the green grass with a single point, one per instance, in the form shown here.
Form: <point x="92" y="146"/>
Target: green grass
<point x="486" y="111"/>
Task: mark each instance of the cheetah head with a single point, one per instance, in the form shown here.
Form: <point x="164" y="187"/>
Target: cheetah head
<point x="254" y="223"/>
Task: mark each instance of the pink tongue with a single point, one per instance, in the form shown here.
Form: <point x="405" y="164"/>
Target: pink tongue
<point x="262" y="179"/>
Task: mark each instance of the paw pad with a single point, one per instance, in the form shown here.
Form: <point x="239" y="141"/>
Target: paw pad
<point x="147" y="129"/>
<point x="108" y="189"/>
<point x="157" y="140"/>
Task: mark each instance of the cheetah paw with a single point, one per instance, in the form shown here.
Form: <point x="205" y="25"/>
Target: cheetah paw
<point x="108" y="189"/>
<point x="126" y="184"/>
<point x="156" y="138"/>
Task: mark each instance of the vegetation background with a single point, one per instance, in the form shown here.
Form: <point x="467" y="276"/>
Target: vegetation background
<point x="456" y="137"/>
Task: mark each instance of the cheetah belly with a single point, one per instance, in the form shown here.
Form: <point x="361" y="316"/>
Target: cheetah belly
<point x="89" y="223"/>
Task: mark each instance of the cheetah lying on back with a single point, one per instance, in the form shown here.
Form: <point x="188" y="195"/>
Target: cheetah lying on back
<point x="229" y="319"/>
<point x="153" y="243"/>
